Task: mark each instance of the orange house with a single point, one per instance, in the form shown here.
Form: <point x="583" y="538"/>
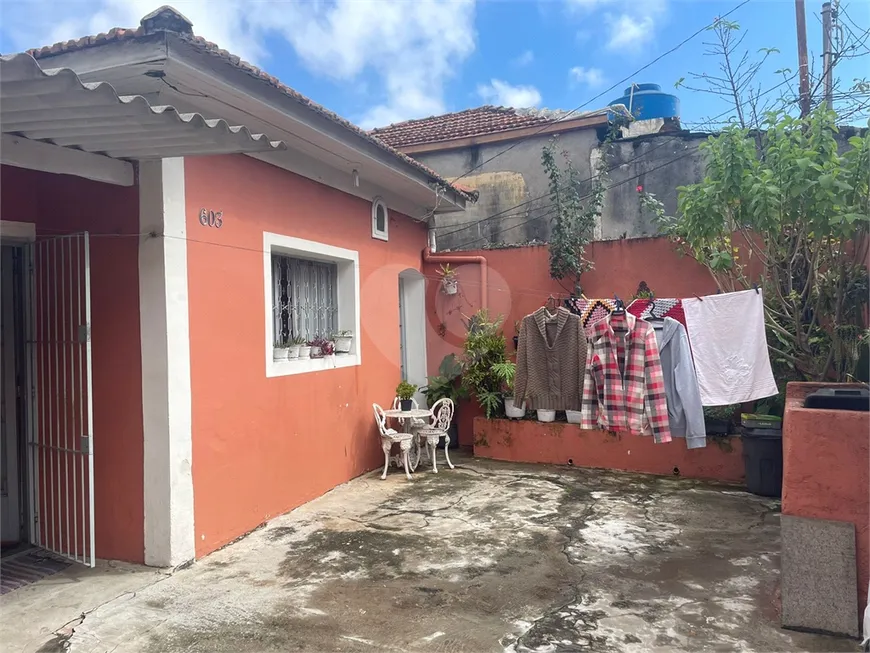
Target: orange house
<point x="157" y="260"/>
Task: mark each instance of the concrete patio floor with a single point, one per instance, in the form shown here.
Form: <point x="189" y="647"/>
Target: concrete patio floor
<point x="487" y="557"/>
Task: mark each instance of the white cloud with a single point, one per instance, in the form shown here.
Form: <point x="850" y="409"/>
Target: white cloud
<point x="589" y="76"/>
<point x="525" y="59"/>
<point x="504" y="94"/>
<point x="630" y="32"/>
<point x="625" y="31"/>
<point x="411" y="48"/>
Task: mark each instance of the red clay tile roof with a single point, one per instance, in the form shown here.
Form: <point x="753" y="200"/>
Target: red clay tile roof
<point x="462" y="124"/>
<point x="122" y="34"/>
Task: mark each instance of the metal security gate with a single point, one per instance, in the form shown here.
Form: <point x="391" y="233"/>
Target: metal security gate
<point x="60" y="434"/>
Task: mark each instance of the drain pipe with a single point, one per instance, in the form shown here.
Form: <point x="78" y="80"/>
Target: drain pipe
<point x="430" y="257"/>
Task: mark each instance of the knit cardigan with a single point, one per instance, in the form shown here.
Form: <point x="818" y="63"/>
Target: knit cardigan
<point x="551" y="354"/>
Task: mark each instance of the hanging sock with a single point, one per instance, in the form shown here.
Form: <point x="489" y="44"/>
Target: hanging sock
<point x="729" y="346"/>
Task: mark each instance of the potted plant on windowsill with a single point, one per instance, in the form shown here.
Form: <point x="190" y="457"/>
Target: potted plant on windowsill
<point x="279" y="351"/>
<point x="449" y="280"/>
<point x="343" y="342"/>
<point x="405" y="392"/>
<point x="295" y="344"/>
<point x="304" y="348"/>
<point x="314" y="344"/>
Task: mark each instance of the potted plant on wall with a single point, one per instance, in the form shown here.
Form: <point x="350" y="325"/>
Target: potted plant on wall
<point x="343" y="341"/>
<point x="446" y="385"/>
<point x="405" y="392"/>
<point x="295" y="344"/>
<point x="449" y="280"/>
<point x="484" y="348"/>
<point x="506" y="372"/>
<point x="279" y="351"/>
<point x="718" y="419"/>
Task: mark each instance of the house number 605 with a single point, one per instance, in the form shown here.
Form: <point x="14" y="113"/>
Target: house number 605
<point x="211" y="218"/>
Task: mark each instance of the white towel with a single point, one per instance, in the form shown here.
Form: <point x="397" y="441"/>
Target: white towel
<point x="726" y="333"/>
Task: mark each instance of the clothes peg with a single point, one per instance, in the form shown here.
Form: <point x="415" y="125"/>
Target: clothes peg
<point x="755" y="285"/>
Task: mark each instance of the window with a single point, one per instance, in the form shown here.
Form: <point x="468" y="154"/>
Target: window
<point x="305" y="298"/>
<point x="380" y="220"/>
<point x="312" y="290"/>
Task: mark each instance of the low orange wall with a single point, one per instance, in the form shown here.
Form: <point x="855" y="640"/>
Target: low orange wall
<point x="561" y="443"/>
<point x="826" y="469"/>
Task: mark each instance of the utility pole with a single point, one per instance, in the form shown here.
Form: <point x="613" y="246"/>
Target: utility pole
<point x="803" y="65"/>
<point x="827" y="55"/>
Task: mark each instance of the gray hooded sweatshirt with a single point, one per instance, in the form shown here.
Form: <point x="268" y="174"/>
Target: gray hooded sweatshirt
<point x="685" y="413"/>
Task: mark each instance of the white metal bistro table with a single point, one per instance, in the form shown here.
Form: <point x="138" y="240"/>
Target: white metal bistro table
<point x="407" y="416"/>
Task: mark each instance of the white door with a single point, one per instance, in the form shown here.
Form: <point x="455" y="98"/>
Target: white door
<point x="10" y="495"/>
<point x="60" y="433"/>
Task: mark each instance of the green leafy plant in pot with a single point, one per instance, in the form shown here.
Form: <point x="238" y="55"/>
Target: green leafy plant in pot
<point x="718" y="420"/>
<point x="483" y="349"/>
<point x="405" y="392"/>
<point x="506" y="372"/>
<point x="446" y="385"/>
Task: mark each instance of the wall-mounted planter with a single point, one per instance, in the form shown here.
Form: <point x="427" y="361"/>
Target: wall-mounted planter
<point x="546" y="415"/>
<point x="449" y="285"/>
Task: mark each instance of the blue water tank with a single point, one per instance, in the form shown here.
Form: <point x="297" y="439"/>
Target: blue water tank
<point x="648" y="101"/>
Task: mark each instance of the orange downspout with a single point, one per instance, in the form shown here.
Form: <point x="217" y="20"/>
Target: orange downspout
<point x="429" y="257"/>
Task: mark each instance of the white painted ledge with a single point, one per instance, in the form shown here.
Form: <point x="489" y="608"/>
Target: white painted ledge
<point x="305" y="365"/>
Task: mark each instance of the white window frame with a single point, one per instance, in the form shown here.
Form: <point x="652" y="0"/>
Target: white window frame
<point x="348" y="299"/>
<point x="376" y="233"/>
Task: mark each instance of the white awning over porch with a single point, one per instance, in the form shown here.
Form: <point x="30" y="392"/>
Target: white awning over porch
<point x="43" y="110"/>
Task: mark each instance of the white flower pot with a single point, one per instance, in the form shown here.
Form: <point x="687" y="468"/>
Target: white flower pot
<point x="343" y="344"/>
<point x="573" y="416"/>
<point x="279" y="354"/>
<point x="513" y="411"/>
<point x="293" y="352"/>
<point x="546" y="415"/>
<point x="315" y="352"/>
<point x="304" y="351"/>
<point x="449" y="285"/>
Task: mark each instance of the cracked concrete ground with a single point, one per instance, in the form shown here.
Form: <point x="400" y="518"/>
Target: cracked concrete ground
<point x="487" y="557"/>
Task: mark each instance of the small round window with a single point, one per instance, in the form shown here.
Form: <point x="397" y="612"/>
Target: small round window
<point x="380" y="219"/>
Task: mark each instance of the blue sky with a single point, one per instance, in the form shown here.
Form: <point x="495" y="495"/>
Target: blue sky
<point x="381" y="61"/>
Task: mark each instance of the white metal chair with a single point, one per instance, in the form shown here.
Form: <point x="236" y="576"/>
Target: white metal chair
<point x="442" y="416"/>
<point x="389" y="437"/>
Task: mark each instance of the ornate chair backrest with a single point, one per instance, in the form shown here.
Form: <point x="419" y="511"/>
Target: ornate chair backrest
<point x="442" y="414"/>
<point x="380" y="418"/>
<point x="396" y="401"/>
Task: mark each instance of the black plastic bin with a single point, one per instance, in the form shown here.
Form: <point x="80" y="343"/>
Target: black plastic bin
<point x="762" y="460"/>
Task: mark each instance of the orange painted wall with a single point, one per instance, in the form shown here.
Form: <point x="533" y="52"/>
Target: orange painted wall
<point x="519" y="283"/>
<point x="528" y="441"/>
<point x="60" y="204"/>
<point x="826" y="469"/>
<point x="262" y="446"/>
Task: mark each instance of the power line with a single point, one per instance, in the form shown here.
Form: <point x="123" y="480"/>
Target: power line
<point x="605" y="91"/>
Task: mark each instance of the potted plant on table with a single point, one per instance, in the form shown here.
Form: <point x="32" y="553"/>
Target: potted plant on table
<point x="295" y="344"/>
<point x="343" y="341"/>
<point x="449" y="280"/>
<point x="405" y="392"/>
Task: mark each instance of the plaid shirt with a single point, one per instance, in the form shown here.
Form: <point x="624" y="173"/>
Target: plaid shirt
<point x="623" y="388"/>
